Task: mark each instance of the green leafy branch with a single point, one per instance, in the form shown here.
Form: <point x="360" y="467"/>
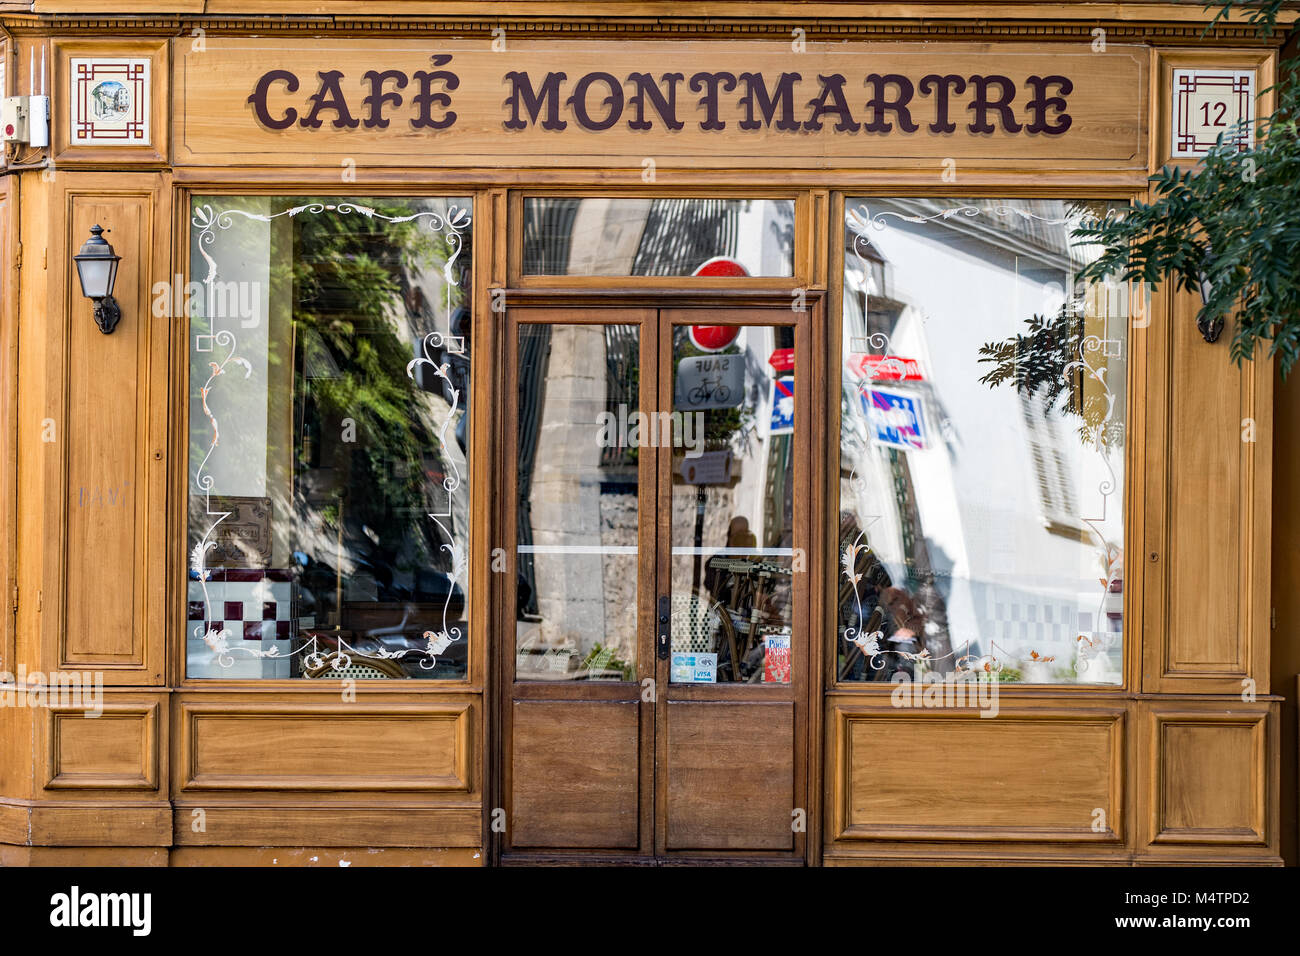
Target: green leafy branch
<point x="1261" y="13"/>
<point x="1227" y="229"/>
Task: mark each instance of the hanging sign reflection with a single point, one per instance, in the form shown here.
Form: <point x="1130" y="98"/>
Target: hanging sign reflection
<point x="710" y="381"/>
<point x="896" y="419"/>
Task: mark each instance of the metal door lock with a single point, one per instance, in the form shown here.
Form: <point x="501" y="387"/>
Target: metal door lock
<point x="665" y="619"/>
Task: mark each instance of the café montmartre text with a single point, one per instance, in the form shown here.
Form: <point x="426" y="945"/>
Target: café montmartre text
<point x="787" y="102"/>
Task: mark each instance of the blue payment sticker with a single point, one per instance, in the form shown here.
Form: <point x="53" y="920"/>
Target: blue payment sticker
<point x="694" y="669"/>
<point x="896" y="418"/>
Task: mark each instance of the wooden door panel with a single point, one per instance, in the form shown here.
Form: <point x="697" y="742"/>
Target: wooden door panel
<point x="730" y="773"/>
<point x="731" y="756"/>
<point x="575" y="769"/>
<point x="576" y="749"/>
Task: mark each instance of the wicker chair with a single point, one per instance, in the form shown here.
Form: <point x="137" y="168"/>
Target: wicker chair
<point x="359" y="667"/>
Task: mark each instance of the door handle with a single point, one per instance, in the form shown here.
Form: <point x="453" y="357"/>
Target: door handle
<point x="665" y="620"/>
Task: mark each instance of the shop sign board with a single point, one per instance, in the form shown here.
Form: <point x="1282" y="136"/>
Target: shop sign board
<point x="707" y="468"/>
<point x="687" y="103"/>
<point x="782" y="360"/>
<point x="713" y="338"/>
<point x="886" y="368"/>
<point x="721" y="266"/>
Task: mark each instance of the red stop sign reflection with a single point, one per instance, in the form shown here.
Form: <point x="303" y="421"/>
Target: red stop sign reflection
<point x="721" y="266"/>
<point x="715" y="338"/>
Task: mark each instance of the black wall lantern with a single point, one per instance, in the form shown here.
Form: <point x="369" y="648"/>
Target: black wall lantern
<point x="97" y="269"/>
<point x="1209" y="328"/>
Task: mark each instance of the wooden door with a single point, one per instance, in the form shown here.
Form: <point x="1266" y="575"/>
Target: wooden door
<point x="732" y="548"/>
<point x="578" y="736"/>
<point x="656" y="503"/>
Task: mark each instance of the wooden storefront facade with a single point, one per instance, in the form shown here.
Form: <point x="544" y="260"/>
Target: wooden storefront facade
<point x="497" y="114"/>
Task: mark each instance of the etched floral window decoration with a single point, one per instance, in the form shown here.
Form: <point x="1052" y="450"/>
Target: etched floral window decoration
<point x="330" y="345"/>
<point x="982" y="427"/>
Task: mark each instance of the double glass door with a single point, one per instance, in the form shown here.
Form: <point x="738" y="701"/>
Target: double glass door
<point x="658" y="502"/>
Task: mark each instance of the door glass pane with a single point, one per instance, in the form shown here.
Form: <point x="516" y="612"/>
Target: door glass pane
<point x="576" y="560"/>
<point x="732" y="503"/>
<point x="981" y="445"/>
<point x="329" y="445"/>
<point x="630" y="236"/>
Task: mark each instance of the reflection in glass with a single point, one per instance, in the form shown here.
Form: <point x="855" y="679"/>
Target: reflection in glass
<point x="576" y="558"/>
<point x="732" y="504"/>
<point x="329" y="446"/>
<point x="981" y="445"/>
<point x="630" y="236"/>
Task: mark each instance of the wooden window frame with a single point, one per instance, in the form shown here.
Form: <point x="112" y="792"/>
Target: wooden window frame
<point x="1137" y="490"/>
<point x="818" y="253"/>
<point x="482" y="427"/>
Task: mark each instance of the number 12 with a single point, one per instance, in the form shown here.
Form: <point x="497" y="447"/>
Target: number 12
<point x="1218" y="118"/>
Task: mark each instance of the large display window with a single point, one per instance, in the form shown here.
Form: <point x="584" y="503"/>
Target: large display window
<point x="982" y="435"/>
<point x="329" y="444"/>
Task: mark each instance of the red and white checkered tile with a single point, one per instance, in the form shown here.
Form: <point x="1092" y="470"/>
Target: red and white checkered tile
<point x="254" y="609"/>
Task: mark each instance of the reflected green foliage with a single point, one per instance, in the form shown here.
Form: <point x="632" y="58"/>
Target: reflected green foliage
<point x="347" y="280"/>
<point x="1035" y="362"/>
<point x="1044" y="363"/>
<point x="602" y="658"/>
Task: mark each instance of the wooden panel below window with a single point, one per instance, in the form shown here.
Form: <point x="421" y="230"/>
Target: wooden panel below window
<point x="574" y="774"/>
<point x="117" y="750"/>
<point x="324" y="746"/>
<point x="114" y="856"/>
<point x="98" y="824"/>
<point x="730" y="770"/>
<point x="1034" y="776"/>
<point x="293" y="856"/>
<point x="323" y="825"/>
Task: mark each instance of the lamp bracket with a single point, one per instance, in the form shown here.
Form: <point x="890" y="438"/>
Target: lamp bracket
<point x="107" y="314"/>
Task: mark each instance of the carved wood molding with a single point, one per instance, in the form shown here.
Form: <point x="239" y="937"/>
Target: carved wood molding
<point x="1056" y="30"/>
